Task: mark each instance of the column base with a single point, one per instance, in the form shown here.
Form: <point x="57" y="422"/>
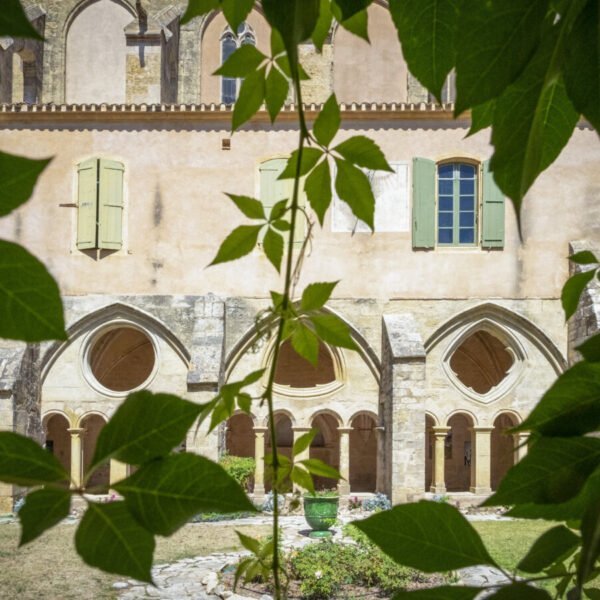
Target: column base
<point x="480" y="491"/>
<point x="343" y="488"/>
<point x="438" y="489"/>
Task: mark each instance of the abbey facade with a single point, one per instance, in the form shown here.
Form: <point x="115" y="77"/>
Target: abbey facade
<point x="458" y="322"/>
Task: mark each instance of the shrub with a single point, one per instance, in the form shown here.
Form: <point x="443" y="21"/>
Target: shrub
<point x="354" y="503"/>
<point x="241" y="468"/>
<point x="377" y="503"/>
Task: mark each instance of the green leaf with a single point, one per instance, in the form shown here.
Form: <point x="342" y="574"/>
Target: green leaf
<point x="276" y="92"/>
<point x="553" y="545"/>
<point x="353" y="187"/>
<point x="144" y="427"/>
<point x="429" y="536"/>
<point x="306" y="343"/>
<point x="349" y="8"/>
<point x="18" y="176"/>
<point x="510" y="28"/>
<point x="357" y="24"/>
<point x="590" y="551"/>
<point x="444" y="592"/>
<point x="25" y="462"/>
<point x="273" y="247"/>
<point x="592" y="593"/>
<point x="310" y="156"/>
<point x="585" y="257"/>
<point x="332" y="330"/>
<point x="241" y="241"/>
<point x="554" y="471"/>
<point x="572" y="291"/>
<point x="571" y="406"/>
<point x="482" y="117"/>
<point x="278" y="210"/>
<point x="318" y="189"/>
<point x="363" y="152"/>
<point x="315" y="295"/>
<point x="42" y="510"/>
<point x="236" y="11"/>
<point x="533" y="121"/>
<point x="14" y="21"/>
<point x="323" y="26"/>
<point x="590" y="349"/>
<point x="252" y="94"/>
<point x="198" y="8"/>
<point x="302" y="478"/>
<point x="321" y="469"/>
<point x="109" y="538"/>
<point x="520" y="591"/>
<point x="277" y="45"/>
<point x="165" y="494"/>
<point x="251" y="207"/>
<point x="252" y="377"/>
<point x="30" y="304"/>
<point x="426" y="29"/>
<point x="582" y="63"/>
<point x="304" y="442"/>
<point x="244" y="61"/>
<point x="327" y="124"/>
<point x="249" y="543"/>
<point x="282" y="225"/>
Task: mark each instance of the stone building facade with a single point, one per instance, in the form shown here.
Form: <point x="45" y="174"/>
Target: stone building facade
<point x="458" y="323"/>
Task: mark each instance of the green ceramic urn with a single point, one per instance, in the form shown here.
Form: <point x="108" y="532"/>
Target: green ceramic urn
<point x="320" y="513"/>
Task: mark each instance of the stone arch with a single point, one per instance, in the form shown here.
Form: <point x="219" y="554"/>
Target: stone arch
<point x="458" y="451"/>
<point x="363" y="452"/>
<point x="95" y="68"/>
<point x="326" y="444"/>
<point x="506" y="320"/>
<point x="116" y="314"/>
<point x="56" y="425"/>
<point x="384" y="49"/>
<point x="239" y="439"/>
<point x="284" y="424"/>
<point x="92" y="424"/>
<point x="502" y="446"/>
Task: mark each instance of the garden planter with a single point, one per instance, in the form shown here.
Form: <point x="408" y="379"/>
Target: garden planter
<point x="320" y="513"/>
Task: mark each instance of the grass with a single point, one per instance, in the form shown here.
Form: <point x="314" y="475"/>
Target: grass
<point x="49" y="567"/>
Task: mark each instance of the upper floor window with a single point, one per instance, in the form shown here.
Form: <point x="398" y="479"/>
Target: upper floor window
<point x="456" y="204"/>
<point x="100" y="204"/>
<point x="230" y="42"/>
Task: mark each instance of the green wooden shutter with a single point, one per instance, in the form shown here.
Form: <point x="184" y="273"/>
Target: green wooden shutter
<point x="492" y="212"/>
<point x="87" y="204"/>
<point x="272" y="190"/>
<point x="423" y="234"/>
<point x="110" y="223"/>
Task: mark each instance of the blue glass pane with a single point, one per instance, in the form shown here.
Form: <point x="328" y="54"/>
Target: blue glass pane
<point x="466" y="171"/>
<point x="467" y="186"/>
<point x="445" y="171"/>
<point x="228" y="47"/>
<point x="228" y="91"/>
<point x="467" y="219"/>
<point x="445" y="219"/>
<point x="445" y="202"/>
<point x="445" y="186"/>
<point x="241" y="27"/>
<point x="248" y="40"/>
<point x="467" y="236"/>
<point x="445" y="236"/>
<point x="467" y="203"/>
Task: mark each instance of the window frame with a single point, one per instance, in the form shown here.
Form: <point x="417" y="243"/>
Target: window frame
<point x="245" y="35"/>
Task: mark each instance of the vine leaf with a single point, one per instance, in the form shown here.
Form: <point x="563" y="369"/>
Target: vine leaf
<point x="304" y="442"/>
<point x="554" y="471"/>
<point x="553" y="545"/>
<point x="327" y="124"/>
<point x="18" y="176"/>
<point x="252" y="94"/>
<point x="241" y="241"/>
<point x="585" y="257"/>
<point x="323" y="26"/>
<point x="316" y="295"/>
<point x="508" y="27"/>
<point x="571" y="406"/>
<point x="236" y="11"/>
<point x="357" y="24"/>
<point x="108" y="537"/>
<point x="303" y="478"/>
<point x="482" y="116"/>
<point x="42" y="510"/>
<point x="306" y="343"/>
<point x="520" y="591"/>
<point x="590" y="349"/>
<point x="245" y="60"/>
<point x="251" y="207"/>
<point x="310" y="156"/>
<point x="276" y="92"/>
<point x="318" y="189"/>
<point x="319" y="468"/>
<point x="349" y="8"/>
<point x="165" y="494"/>
<point x="426" y="30"/>
<point x="25" y="462"/>
<point x="198" y="8"/>
<point x="363" y="152"/>
<point x="353" y="187"/>
<point x="572" y="291"/>
<point x="332" y="330"/>
<point x="14" y="21"/>
<point x="429" y="536"/>
<point x="144" y="427"/>
<point x="273" y="247"/>
<point x="590" y="551"/>
<point x="30" y="305"/>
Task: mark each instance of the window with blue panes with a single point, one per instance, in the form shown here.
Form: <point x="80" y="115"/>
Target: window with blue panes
<point x="457" y="206"/>
<point x="230" y="42"/>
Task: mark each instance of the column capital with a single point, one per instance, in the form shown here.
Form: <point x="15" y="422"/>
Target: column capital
<point x="76" y="430"/>
<point x="301" y="429"/>
<point x="441" y="430"/>
<point x="260" y="429"/>
<point x="345" y="429"/>
<point x="482" y="429"/>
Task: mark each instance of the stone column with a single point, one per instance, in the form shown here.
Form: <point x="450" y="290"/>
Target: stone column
<point x="520" y="441"/>
<point x="438" y="483"/>
<point x="118" y="471"/>
<point x="76" y="456"/>
<point x="259" y="457"/>
<point x="380" y="478"/>
<point x="344" y="484"/>
<point x="481" y="442"/>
